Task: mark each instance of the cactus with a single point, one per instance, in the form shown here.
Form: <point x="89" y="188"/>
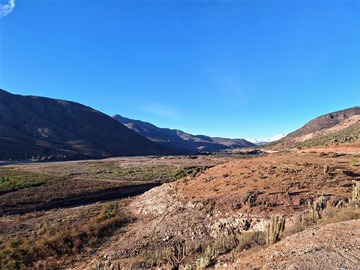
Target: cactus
<point x="210" y="258"/>
<point x="176" y="252"/>
<point x="356" y="192"/>
<point x="316" y="208"/>
<point x="98" y="265"/>
<point x="326" y="169"/>
<point x="274" y="229"/>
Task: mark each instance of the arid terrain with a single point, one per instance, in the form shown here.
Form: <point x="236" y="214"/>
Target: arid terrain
<point x="41" y="203"/>
<point x="228" y="207"/>
<point x="293" y="204"/>
<point x="215" y="214"/>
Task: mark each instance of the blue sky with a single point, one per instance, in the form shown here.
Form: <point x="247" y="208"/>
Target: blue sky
<point x="236" y="69"/>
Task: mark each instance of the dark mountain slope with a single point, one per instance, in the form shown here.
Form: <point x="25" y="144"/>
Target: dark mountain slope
<point x="325" y="121"/>
<point x="33" y="126"/>
<point x="180" y="141"/>
<point x="332" y="128"/>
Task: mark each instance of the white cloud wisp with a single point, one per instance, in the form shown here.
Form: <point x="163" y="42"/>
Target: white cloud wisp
<point x="7" y="8"/>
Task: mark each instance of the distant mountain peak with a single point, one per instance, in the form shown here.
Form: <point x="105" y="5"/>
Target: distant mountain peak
<point x="267" y="140"/>
<point x="181" y="141"/>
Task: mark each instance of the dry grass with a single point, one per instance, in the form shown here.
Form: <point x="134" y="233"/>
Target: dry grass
<point x="47" y="240"/>
<point x="265" y="186"/>
<point x="55" y="243"/>
<point x="28" y="187"/>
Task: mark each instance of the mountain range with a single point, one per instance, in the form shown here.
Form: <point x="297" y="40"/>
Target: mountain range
<point x="42" y="127"/>
<point x="180" y="141"/>
<point x="37" y="126"/>
<point x="48" y="128"/>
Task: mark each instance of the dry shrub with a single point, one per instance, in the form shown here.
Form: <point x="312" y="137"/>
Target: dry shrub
<point x="249" y="239"/>
<point x="56" y="243"/>
<point x="334" y="215"/>
<point x="321" y="213"/>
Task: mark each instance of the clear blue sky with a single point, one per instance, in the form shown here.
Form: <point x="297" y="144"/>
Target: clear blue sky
<point x="235" y="69"/>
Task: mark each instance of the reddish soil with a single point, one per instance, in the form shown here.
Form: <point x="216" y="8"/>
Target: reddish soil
<point x="240" y="195"/>
<point x="280" y="183"/>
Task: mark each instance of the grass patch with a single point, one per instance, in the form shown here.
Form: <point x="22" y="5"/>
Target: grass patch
<point x="144" y="173"/>
<point x="16" y="179"/>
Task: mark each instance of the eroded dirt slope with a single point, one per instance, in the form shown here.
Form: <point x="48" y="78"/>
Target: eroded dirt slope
<point x="333" y="246"/>
<point x="239" y="196"/>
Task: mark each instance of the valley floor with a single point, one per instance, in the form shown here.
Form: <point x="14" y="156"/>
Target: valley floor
<point x="210" y="211"/>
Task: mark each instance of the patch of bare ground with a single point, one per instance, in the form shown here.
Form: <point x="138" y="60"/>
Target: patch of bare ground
<point x="279" y="183"/>
<point x="333" y="246"/>
<point x="343" y="148"/>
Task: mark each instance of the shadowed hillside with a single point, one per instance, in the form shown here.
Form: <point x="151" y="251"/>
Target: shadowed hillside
<point x="37" y="126"/>
<point x="180" y="141"/>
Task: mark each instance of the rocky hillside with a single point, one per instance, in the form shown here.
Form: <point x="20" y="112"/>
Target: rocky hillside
<point x="333" y="128"/>
<point x="48" y="128"/>
<point x="180" y="141"/>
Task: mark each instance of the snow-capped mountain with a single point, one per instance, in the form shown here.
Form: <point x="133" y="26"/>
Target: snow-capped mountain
<point x="261" y="141"/>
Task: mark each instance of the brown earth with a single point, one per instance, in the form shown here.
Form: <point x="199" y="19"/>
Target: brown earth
<point x="283" y="181"/>
<point x="240" y="196"/>
<point x="58" y="187"/>
<point x="344" y="148"/>
<point x="227" y="198"/>
<point x="333" y="246"/>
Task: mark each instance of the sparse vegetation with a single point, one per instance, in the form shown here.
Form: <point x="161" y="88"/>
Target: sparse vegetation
<point x="349" y="134"/>
<point x="143" y="173"/>
<point x="354" y="162"/>
<point x="250" y="198"/>
<point x="320" y="212"/>
<point x="326" y="169"/>
<point x="39" y="241"/>
<point x="55" y="242"/>
<point x="15" y="179"/>
<point x="37" y="191"/>
<point x="209" y="258"/>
